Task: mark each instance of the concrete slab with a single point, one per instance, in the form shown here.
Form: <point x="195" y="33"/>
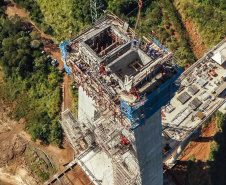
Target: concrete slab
<point x="100" y="166"/>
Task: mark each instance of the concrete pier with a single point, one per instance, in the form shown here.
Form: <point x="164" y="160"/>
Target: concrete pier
<point x="149" y="150"/>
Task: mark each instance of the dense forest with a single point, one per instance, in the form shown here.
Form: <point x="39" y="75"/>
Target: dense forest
<point x="31" y="85"/>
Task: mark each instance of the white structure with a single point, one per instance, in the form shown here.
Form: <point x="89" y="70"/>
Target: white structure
<point x="220" y="54"/>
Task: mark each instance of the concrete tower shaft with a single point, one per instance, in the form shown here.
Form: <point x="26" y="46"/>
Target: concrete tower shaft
<point x="149" y="150"/>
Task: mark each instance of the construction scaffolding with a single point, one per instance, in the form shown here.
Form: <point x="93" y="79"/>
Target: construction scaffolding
<point x="122" y="174"/>
<point x="79" y="136"/>
<point x="110" y="138"/>
<point x="129" y="81"/>
<point x="106" y="97"/>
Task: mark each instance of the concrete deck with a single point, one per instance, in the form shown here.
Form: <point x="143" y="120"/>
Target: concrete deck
<point x="183" y="120"/>
<point x="99" y="165"/>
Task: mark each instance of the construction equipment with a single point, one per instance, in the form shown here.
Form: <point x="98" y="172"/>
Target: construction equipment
<point x="212" y="72"/>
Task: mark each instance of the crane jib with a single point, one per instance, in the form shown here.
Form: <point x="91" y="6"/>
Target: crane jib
<point x="140" y="3"/>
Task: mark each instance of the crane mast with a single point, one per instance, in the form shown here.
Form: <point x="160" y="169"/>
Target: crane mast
<point x="138" y="17"/>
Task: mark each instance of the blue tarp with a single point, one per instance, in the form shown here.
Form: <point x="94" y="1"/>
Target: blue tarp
<point x="160" y="45"/>
<point x="63" y="50"/>
<point x="67" y="69"/>
<point x="126" y="110"/>
<point x="64" y="55"/>
<point x="152" y="103"/>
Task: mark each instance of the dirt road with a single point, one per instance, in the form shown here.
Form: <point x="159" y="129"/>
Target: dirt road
<point x="12" y="162"/>
<point x="12" y="9"/>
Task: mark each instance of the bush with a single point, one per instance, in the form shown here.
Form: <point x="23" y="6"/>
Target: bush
<point x="192" y="158"/>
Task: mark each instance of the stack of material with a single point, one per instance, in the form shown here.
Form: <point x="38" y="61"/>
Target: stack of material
<point x="200" y="115"/>
<point x="202" y="81"/>
<point x="182" y="116"/>
<point x="204" y="96"/>
<point x="206" y="104"/>
<point x="193" y="89"/>
<point x="221" y="88"/>
<point x="195" y="103"/>
<point x="169" y="108"/>
<point x="184" y="97"/>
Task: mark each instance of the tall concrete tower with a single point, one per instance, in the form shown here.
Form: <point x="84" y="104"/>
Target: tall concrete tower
<point x="149" y="150"/>
<point x="123" y="83"/>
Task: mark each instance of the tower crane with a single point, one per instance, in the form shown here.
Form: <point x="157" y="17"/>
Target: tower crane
<point x="138" y="17"/>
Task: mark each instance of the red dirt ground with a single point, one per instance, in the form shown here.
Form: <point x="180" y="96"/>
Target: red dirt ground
<point x="59" y="156"/>
<point x="197" y="46"/>
<point x="200" y="148"/>
<point x="181" y="174"/>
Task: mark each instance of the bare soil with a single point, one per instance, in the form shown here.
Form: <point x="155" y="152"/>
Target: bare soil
<point x="67" y="93"/>
<point x="14" y="140"/>
<point x="200" y="148"/>
<point x="197" y="46"/>
<point x="13" y="167"/>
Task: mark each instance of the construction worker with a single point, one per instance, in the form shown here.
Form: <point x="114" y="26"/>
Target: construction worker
<point x="147" y="46"/>
<point x="79" y="65"/>
<point x="135" y="42"/>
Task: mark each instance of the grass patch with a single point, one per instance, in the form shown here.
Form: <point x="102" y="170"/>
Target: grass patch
<point x="37" y="164"/>
<point x="74" y="102"/>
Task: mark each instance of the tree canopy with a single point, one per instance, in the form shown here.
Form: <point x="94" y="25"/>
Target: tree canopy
<point x="32" y="85"/>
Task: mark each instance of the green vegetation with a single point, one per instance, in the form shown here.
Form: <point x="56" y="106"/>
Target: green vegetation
<point x="37" y="164"/>
<point x="160" y="16"/>
<point x="163" y="18"/>
<point x="192" y="158"/>
<point x="35" y="14"/>
<point x="81" y="11"/>
<point x="64" y="16"/>
<point x="31" y="85"/>
<point x="74" y="103"/>
<point x="209" y="16"/>
<point x="217" y="157"/>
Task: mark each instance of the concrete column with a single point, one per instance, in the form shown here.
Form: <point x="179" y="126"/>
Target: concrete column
<point x="149" y="150"/>
<point x="172" y="161"/>
<point x="86" y="110"/>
